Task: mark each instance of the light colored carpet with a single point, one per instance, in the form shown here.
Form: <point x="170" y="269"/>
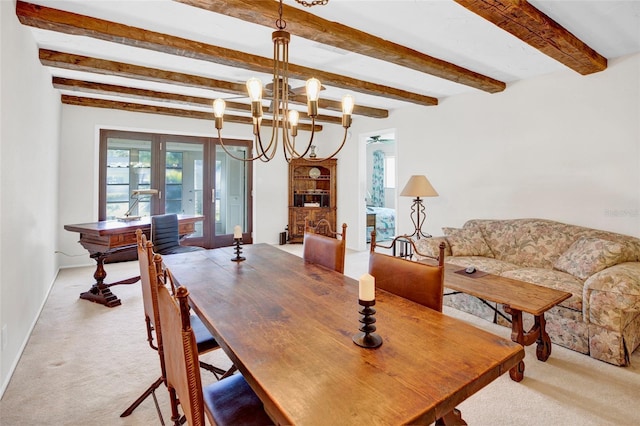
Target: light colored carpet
<point x="85" y="364"/>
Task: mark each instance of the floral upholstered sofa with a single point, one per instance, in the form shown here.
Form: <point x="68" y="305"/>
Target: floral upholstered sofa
<point x="600" y="269"/>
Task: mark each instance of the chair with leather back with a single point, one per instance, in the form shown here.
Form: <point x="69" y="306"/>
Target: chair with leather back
<point x="321" y="245"/>
<point x="417" y="281"/>
<point x="205" y="341"/>
<point x="166" y="237"/>
<point x="230" y="401"/>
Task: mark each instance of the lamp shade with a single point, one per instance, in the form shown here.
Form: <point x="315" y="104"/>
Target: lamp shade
<point x="418" y="186"/>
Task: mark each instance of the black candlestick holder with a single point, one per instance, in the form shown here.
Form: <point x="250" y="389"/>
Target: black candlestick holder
<point x="238" y="250"/>
<point x="367" y="338"/>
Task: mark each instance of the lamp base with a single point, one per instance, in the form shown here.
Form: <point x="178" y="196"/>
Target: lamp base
<point x="417" y="217"/>
<point x="418" y="233"/>
<point x="128" y="218"/>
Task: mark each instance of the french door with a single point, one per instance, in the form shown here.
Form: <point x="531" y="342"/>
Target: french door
<point x="192" y="175"/>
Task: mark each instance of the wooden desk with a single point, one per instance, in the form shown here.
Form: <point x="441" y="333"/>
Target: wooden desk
<point x="288" y="327"/>
<point x="103" y="239"/>
<point x="516" y="297"/>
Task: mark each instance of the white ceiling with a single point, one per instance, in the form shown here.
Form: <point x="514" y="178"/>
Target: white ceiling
<point x="439" y="28"/>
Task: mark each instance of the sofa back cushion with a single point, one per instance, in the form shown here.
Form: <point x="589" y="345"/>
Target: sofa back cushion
<point x="588" y="255"/>
<point x="535" y="243"/>
<point x="467" y="241"/>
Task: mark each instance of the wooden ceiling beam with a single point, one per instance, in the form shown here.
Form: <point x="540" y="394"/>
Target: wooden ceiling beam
<point x="101" y="66"/>
<point x="71" y="23"/>
<point x="176" y="112"/>
<point x="312" y="27"/>
<point x="155" y="96"/>
<point x="532" y="26"/>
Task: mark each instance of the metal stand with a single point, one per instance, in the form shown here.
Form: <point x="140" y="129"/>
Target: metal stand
<point x="417" y="217"/>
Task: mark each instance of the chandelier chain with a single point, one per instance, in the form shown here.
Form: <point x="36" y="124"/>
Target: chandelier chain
<point x="281" y="23"/>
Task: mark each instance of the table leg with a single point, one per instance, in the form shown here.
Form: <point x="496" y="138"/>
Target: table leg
<point x="100" y="292"/>
<point x="543" y="350"/>
<point x="537" y="333"/>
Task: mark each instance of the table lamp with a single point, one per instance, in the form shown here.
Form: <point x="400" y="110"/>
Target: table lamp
<point x="418" y="186"/>
<point x="135" y="194"/>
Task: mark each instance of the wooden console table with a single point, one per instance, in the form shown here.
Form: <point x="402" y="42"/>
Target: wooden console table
<point x="103" y="239"/>
<point x="516" y="297"/>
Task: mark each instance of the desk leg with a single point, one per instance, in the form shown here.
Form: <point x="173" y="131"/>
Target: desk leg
<point x="100" y="292"/>
<point x="537" y="333"/>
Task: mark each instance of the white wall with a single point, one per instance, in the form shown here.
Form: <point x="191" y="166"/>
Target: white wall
<point x="562" y="146"/>
<point x="29" y="133"/>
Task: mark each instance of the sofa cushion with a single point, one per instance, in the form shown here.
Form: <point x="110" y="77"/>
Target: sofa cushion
<point x="467" y="242"/>
<point x="430" y="247"/>
<point x="588" y="255"/>
<point x="552" y="279"/>
<point x="500" y="236"/>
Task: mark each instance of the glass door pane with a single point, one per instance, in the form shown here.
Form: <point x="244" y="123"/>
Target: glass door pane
<point x="231" y="191"/>
<point x="128" y="167"/>
<point x="184" y="181"/>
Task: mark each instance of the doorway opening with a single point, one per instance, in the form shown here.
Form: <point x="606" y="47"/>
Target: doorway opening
<point x="380" y="185"/>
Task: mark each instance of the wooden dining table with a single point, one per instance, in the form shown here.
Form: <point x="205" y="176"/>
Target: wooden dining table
<point x="288" y="326"/>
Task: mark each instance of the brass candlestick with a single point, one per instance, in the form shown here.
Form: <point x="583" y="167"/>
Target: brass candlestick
<point x="367" y="338"/>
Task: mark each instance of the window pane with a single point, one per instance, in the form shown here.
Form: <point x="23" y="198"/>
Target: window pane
<point x="128" y="168"/>
<point x="174" y="192"/>
<point x="174" y="176"/>
<point x="117" y="193"/>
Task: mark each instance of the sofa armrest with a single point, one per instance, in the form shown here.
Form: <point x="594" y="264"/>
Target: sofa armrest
<point x="431" y="247"/>
<point x="611" y="297"/>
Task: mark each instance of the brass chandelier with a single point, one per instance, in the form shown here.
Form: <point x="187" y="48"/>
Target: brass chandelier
<point x="285" y="120"/>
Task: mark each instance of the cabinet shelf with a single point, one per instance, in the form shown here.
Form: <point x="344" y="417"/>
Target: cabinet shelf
<point x="321" y="177"/>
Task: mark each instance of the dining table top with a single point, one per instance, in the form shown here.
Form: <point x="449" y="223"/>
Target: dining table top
<point x="288" y="326"/>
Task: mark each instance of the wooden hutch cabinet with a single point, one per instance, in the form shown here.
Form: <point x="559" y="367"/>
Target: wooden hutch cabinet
<point x="312" y="195"/>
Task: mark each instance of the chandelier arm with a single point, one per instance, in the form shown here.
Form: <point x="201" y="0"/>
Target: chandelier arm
<point x="344" y="139"/>
<point x="269" y="153"/>
<point x="235" y="157"/>
<point x="291" y="147"/>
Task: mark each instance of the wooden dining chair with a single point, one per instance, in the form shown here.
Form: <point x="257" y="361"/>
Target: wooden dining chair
<point x="421" y="282"/>
<point x="321" y="245"/>
<point x="417" y="281"/>
<point x="229" y="401"/>
<point x="205" y="341"/>
<point x="165" y="235"/>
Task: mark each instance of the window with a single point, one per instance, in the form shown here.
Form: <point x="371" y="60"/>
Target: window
<point x="127" y="169"/>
